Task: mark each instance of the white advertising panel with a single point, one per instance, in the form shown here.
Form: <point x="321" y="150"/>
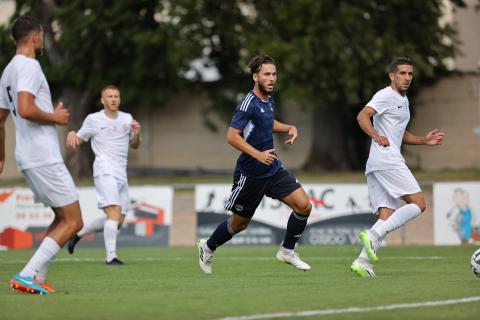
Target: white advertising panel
<point x="339" y="212"/>
<point x="23" y="223"/>
<point x="456" y="212"/>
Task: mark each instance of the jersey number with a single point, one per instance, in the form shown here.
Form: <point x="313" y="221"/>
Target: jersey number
<point x="11" y="100"/>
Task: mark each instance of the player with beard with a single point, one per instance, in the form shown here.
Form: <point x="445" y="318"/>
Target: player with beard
<point x="388" y="177"/>
<point x="258" y="171"/>
<point x="24" y="92"/>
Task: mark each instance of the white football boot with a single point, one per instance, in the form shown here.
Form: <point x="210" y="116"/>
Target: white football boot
<point x="363" y="268"/>
<point x="291" y="257"/>
<point x="205" y="256"/>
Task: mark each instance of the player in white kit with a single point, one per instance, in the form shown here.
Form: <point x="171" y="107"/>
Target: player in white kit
<point x="111" y="132"/>
<point x="24" y="92"/>
<point x="388" y="177"/>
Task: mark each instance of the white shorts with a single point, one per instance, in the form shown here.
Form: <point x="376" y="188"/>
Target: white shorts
<point x="51" y="185"/>
<point x="386" y="186"/>
<point x="111" y="191"/>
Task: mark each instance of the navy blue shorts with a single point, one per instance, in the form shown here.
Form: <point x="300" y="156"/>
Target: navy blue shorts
<point x="247" y="192"/>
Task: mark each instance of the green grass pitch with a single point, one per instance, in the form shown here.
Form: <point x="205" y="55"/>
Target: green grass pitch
<point x="166" y="283"/>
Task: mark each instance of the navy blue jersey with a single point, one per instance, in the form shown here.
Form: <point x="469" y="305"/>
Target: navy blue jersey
<point x="255" y="118"/>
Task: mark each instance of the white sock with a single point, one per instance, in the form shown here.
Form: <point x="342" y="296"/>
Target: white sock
<point x="42" y="258"/>
<point x="398" y="218"/>
<point x="94" y="226"/>
<point x="364" y="253"/>
<point x="110" y="236"/>
<point x="42" y="273"/>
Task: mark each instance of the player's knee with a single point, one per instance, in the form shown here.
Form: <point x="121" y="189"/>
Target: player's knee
<point x="239" y="227"/>
<point x="304" y="208"/>
<point x="75" y="225"/>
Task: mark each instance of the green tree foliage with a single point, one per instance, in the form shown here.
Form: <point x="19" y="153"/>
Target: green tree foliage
<point x="333" y="56"/>
<point x="136" y="45"/>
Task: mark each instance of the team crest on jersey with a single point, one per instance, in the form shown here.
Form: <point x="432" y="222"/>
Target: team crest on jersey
<point x="261" y="109"/>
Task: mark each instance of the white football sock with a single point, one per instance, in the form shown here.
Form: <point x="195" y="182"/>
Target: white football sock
<point x="42" y="258"/>
<point x="42" y="273"/>
<point x="364" y="253"/>
<point x="398" y="218"/>
<point x="110" y="236"/>
<point x="94" y="226"/>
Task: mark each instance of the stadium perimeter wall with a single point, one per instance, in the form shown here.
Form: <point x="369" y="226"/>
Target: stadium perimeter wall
<point x="184" y="223"/>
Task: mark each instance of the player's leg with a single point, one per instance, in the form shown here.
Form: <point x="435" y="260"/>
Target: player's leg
<point x="53" y="186"/>
<point x="383" y="205"/>
<point x="109" y="191"/>
<point x="110" y="233"/>
<point x="414" y="207"/>
<point x="398" y="183"/>
<point x="67" y="221"/>
<point x="115" y="218"/>
<point x="95" y="225"/>
<point x="246" y="195"/>
<point x="103" y="185"/>
<point x="288" y="190"/>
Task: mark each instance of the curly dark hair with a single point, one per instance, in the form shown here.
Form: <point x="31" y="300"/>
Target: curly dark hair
<point x="256" y="62"/>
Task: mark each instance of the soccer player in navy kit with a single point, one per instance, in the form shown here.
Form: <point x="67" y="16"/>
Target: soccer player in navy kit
<point x="258" y="171"/>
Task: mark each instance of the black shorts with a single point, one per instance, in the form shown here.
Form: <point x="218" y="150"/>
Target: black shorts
<point x="247" y="193"/>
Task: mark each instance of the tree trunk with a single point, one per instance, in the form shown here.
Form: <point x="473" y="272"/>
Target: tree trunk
<point x="337" y="142"/>
<point x="79" y="161"/>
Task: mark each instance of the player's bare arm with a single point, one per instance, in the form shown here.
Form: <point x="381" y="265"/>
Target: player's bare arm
<point x="137" y="138"/>
<point x="286" y="128"/>
<point x="432" y="138"/>
<point x="235" y="139"/>
<point x="28" y="110"/>
<point x="73" y="141"/>
<point x="365" y="123"/>
<point x="3" y="118"/>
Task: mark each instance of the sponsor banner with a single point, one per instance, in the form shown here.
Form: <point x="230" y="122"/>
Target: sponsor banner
<point x="23" y="223"/>
<point x="456" y="213"/>
<point x="339" y="213"/>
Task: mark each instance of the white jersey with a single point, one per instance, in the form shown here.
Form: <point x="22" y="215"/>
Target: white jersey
<point x="110" y="142"/>
<point x="36" y="144"/>
<point x="390" y="120"/>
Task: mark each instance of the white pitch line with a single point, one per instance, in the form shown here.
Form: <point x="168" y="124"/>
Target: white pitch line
<point x="311" y="313"/>
<point x="318" y="258"/>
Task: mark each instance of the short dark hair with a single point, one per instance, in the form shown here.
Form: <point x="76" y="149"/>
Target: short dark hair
<point x="256" y="62"/>
<point x="23" y="25"/>
<point x="398" y="62"/>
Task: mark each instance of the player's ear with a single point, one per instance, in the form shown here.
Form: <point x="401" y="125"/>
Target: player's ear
<point x="390" y="75"/>
<point x="255" y="77"/>
<point x="35" y="36"/>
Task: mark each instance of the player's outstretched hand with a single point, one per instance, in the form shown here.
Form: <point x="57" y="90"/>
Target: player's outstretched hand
<point x="72" y="140"/>
<point x="267" y="156"/>
<point x="61" y="114"/>
<point x="293" y="135"/>
<point x="381" y="140"/>
<point x="136" y="127"/>
<point x="434" y="137"/>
